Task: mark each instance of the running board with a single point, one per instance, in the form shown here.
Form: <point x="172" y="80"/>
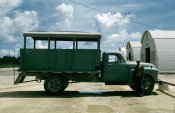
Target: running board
<point x="115" y="83"/>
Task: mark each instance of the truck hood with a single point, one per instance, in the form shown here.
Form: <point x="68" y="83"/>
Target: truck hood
<point x="142" y="63"/>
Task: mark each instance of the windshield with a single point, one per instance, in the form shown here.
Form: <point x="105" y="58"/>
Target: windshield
<point x="124" y="57"/>
<point x="116" y="58"/>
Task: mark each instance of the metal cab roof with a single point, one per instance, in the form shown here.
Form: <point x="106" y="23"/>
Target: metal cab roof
<point x="112" y="52"/>
<point x="63" y="35"/>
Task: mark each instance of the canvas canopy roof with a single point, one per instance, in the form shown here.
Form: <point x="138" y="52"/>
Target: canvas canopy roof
<point x="64" y="36"/>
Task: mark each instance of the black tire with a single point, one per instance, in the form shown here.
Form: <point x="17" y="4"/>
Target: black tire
<point x="66" y="83"/>
<point x="132" y="87"/>
<point x="148" y="85"/>
<point x="54" y="85"/>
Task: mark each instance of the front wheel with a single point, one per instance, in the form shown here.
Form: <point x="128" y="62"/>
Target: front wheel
<point x="148" y="85"/>
<point x="54" y="85"/>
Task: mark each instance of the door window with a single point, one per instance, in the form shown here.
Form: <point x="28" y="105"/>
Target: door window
<point x="115" y="58"/>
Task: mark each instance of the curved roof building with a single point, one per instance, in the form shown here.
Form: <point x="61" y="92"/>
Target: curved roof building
<point x="158" y="48"/>
<point x="133" y="50"/>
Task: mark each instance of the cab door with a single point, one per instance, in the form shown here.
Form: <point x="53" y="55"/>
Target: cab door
<point x="116" y="68"/>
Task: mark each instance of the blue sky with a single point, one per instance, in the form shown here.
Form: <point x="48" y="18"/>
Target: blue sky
<point x="119" y="21"/>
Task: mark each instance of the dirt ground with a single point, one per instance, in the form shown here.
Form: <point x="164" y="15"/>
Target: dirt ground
<point x="80" y="98"/>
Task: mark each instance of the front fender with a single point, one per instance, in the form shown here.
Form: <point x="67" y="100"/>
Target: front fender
<point x="131" y="74"/>
<point x="152" y="72"/>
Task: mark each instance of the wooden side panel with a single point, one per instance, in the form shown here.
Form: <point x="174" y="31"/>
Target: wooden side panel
<point x="59" y="60"/>
<point x="83" y="60"/>
<point x="34" y="59"/>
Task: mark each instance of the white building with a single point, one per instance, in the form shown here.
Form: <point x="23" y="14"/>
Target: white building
<point x="123" y="50"/>
<point x="133" y="51"/>
<point x="158" y="48"/>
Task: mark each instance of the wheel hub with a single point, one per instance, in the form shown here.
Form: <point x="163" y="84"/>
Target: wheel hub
<point x="54" y="85"/>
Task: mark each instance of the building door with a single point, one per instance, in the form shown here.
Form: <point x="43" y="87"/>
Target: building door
<point x="147" y="55"/>
<point x="130" y="56"/>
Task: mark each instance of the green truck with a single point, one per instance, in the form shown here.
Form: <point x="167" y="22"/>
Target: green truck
<point x="58" y="67"/>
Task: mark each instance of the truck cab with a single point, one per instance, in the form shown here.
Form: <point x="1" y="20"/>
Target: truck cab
<point x="114" y="67"/>
<point x="116" y="70"/>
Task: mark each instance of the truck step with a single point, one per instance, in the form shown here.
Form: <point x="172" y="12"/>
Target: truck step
<point x="19" y="79"/>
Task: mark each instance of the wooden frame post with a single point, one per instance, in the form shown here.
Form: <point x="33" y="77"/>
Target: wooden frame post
<point x="98" y="44"/>
<point x="24" y="52"/>
<point x="55" y="44"/>
<point x="74" y="43"/>
<point x="49" y="43"/>
<point x="24" y="42"/>
<point x="34" y="44"/>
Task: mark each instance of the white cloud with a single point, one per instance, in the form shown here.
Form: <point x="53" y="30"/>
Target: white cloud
<point x="116" y="38"/>
<point x="11" y="52"/>
<point x="8" y="5"/>
<point x="12" y="28"/>
<point x="136" y="35"/>
<point x="17" y="48"/>
<point x="66" y="9"/>
<point x="65" y="15"/>
<point x="114" y="29"/>
<point x="40" y="45"/>
<point x="6" y="52"/>
<point x="26" y="21"/>
<point x="108" y="20"/>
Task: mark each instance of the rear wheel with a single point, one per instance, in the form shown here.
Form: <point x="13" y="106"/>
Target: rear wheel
<point x="132" y="87"/>
<point x="54" y="85"/>
<point x="66" y="82"/>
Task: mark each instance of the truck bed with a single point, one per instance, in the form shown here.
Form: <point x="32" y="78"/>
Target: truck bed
<point x="59" y="60"/>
